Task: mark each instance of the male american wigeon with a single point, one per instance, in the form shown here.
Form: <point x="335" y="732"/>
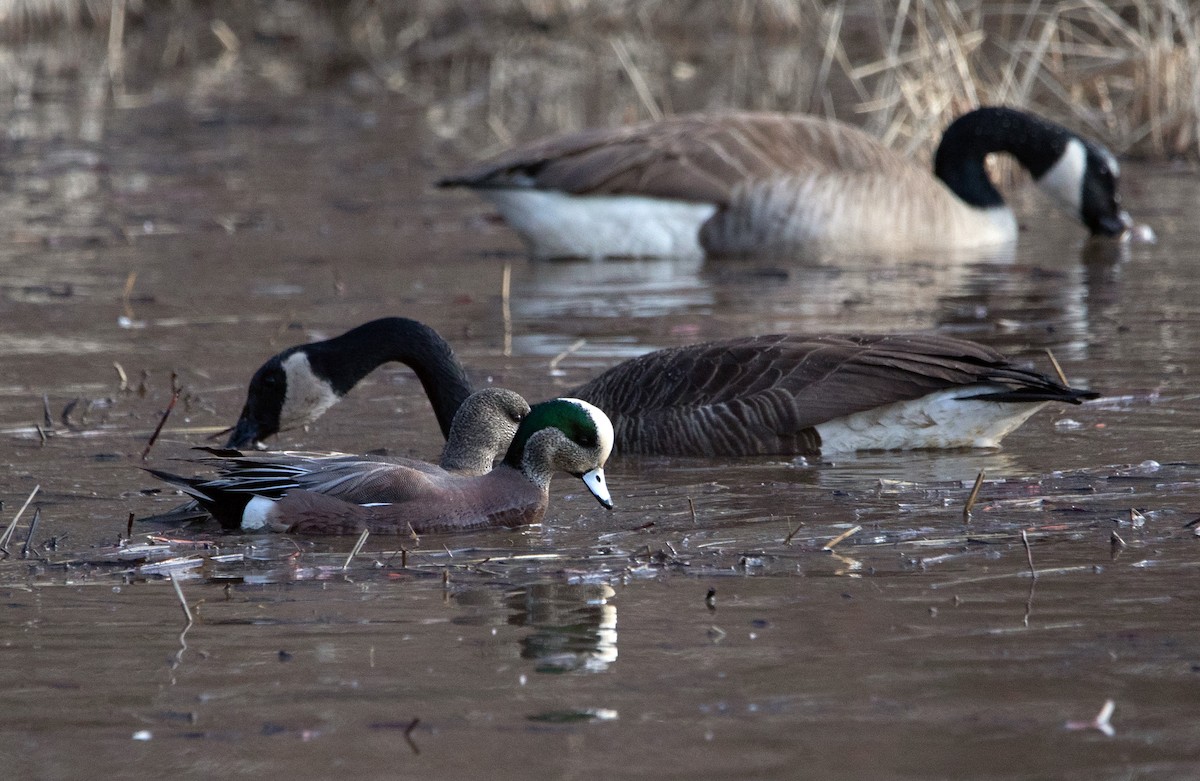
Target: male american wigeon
<point x="344" y="494"/>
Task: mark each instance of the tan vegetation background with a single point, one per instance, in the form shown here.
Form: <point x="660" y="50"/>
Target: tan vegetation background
<point x="491" y="72"/>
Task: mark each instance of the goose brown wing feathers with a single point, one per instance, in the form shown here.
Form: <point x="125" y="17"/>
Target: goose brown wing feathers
<point x="701" y="158"/>
<point x="765" y="394"/>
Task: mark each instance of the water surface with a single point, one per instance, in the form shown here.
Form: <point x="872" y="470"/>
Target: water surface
<point x="197" y="239"/>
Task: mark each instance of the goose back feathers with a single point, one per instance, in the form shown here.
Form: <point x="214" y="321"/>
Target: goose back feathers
<point x="769" y="183"/>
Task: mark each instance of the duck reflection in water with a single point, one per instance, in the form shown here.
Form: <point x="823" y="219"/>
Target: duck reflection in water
<point x="573" y="626"/>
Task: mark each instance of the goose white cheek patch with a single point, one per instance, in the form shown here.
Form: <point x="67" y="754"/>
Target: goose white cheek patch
<point x="1064" y="181"/>
<point x="308" y="396"/>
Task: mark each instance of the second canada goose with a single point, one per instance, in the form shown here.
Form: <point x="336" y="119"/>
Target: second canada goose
<point x="767" y="183"/>
<point x="757" y="395"/>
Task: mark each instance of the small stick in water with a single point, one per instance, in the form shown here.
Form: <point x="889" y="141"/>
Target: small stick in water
<point x="46" y="421"/>
<point x="408" y="736"/>
<point x="692" y="508"/>
<point x="556" y="360"/>
<point x="362" y="540"/>
<point x="187" y="611"/>
<point x="830" y="545"/>
<point x="1028" y="554"/>
<point x="974" y="496"/>
<point x="158" y="429"/>
<point x="37" y="513"/>
<point x="1057" y="369"/>
<point x="1102" y="722"/>
<point x="129" y="527"/>
<point x="8" y="533"/>
<point x="506" y="308"/>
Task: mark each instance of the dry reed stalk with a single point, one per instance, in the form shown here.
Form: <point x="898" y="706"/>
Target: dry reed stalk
<point x="973" y="497"/>
<point x="8" y="532"/>
<point x="829" y="546"/>
<point x="1062" y="377"/>
<point x="358" y="546"/>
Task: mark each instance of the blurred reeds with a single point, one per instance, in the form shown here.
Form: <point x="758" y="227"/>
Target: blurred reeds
<point x="490" y="72"/>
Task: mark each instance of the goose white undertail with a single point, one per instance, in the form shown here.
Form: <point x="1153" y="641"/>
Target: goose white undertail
<point x="946" y="419"/>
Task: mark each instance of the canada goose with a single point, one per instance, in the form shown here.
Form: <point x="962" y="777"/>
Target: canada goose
<point x="765" y="183"/>
<point x="757" y="395"/>
<point x="346" y="495"/>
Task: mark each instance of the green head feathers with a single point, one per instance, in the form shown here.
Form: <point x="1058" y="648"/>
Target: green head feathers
<point x="582" y="423"/>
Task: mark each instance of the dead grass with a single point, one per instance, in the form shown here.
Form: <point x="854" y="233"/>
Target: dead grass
<point x="491" y="72"/>
<point x="1123" y="72"/>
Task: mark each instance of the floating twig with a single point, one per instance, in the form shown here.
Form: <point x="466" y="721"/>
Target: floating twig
<point x="129" y="527"/>
<point x="505" y="307"/>
<point x="558" y="358"/>
<point x="974" y="495"/>
<point x="408" y="736"/>
<point x="362" y="540"/>
<point x="830" y="545"/>
<point x="46" y="421"/>
<point x="37" y="514"/>
<point x="1102" y="722"/>
<point x="123" y="385"/>
<point x="692" y="509"/>
<point x="1028" y="554"/>
<point x="166" y="414"/>
<point x="788" y="539"/>
<point x="8" y="532"/>
<point x="1057" y="368"/>
<point x="187" y="614"/>
<point x="68" y="408"/>
<point x="130" y="281"/>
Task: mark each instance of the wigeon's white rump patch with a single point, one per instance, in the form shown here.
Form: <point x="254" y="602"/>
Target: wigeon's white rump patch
<point x="256" y="516"/>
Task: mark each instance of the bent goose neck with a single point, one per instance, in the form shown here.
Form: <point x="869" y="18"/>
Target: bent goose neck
<point x="959" y="162"/>
<point x="347" y="359"/>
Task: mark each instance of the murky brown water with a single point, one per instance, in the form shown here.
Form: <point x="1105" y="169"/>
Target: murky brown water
<point x="920" y="648"/>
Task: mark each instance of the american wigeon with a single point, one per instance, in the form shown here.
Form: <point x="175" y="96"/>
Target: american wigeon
<point x="344" y="495"/>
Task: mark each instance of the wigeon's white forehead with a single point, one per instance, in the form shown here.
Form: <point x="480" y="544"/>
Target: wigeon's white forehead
<point x="604" y="427"/>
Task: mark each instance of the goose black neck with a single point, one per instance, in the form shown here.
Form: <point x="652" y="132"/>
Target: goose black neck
<point x="346" y="359"/>
<point x="1036" y="144"/>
